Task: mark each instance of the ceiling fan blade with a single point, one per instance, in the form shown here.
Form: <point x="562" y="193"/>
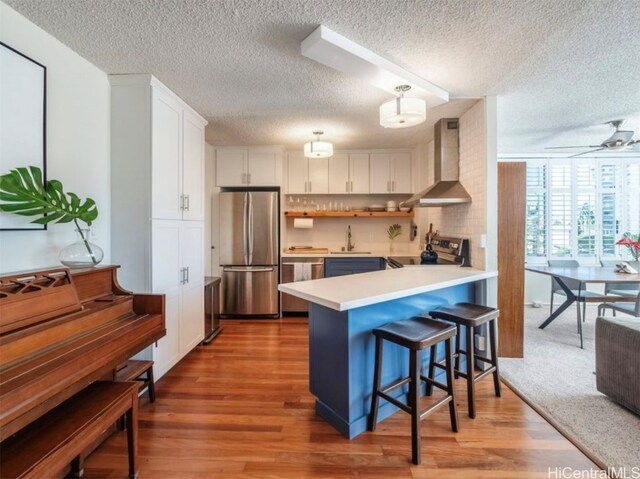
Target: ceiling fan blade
<point x="565" y="147"/>
<point x="587" y="152"/>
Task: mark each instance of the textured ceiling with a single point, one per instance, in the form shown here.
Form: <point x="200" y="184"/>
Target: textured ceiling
<point x="556" y="65"/>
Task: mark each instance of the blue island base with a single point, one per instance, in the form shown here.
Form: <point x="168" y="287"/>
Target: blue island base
<point x="341" y="355"/>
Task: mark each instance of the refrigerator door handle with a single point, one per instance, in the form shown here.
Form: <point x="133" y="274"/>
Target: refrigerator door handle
<point x="247" y="270"/>
<point x="250" y="239"/>
<point x="245" y="228"/>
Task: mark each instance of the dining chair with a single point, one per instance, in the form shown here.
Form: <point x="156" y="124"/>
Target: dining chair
<point x="627" y="308"/>
<point x="574" y="285"/>
<point x="624" y="289"/>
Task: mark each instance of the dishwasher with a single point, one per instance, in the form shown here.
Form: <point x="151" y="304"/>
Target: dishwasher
<point x="292" y="304"/>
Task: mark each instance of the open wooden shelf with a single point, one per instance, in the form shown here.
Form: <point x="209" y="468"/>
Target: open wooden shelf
<point x="348" y="214"/>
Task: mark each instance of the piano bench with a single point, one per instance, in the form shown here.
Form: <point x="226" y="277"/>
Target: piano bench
<point x="134" y="370"/>
<point x="47" y="446"/>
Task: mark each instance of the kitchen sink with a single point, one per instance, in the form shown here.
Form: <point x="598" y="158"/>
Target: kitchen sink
<point x="350" y="252"/>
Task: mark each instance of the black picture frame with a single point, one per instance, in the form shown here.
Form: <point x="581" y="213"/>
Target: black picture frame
<point x="11" y="109"/>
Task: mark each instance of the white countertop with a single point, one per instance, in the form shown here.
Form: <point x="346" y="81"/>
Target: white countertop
<point x="354" y="291"/>
<point x="373" y="254"/>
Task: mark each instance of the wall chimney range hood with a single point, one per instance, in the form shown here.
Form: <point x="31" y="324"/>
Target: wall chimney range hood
<point x="447" y="190"/>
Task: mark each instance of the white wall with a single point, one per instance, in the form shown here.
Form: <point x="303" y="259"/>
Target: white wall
<point x="78" y="137"/>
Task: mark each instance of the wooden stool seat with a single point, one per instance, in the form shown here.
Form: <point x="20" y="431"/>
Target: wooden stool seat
<point x="468" y="316"/>
<point x="134" y="370"/>
<point x="414" y="334"/>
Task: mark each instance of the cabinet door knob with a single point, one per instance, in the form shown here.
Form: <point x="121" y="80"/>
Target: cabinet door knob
<point x="309" y="187"/>
<point x="346" y="187"/>
<point x="351" y="187"/>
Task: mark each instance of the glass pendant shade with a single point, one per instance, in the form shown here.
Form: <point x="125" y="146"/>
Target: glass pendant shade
<point x="403" y="112"/>
<point x="318" y="149"/>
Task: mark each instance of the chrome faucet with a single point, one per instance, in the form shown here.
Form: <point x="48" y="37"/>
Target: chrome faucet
<point x="350" y="246"/>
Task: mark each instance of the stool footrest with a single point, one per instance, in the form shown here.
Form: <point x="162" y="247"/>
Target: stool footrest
<point x="392" y="386"/>
<point x="435" y="406"/>
<point x="484" y="373"/>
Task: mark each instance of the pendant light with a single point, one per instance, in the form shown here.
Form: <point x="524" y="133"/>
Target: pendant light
<point x="318" y="149"/>
<point x="403" y="112"/>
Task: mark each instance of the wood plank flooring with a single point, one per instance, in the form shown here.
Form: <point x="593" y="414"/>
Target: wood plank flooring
<point x="240" y="408"/>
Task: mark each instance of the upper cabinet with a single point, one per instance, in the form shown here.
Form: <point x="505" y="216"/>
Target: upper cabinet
<point x="193" y="166"/>
<point x="307" y="175"/>
<point x="390" y="172"/>
<point x="349" y="173"/>
<point x="249" y="166"/>
<point x="153" y="130"/>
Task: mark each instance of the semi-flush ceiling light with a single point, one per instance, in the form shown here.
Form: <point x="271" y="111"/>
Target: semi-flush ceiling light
<point x="318" y="149"/>
<point x="403" y="112"/>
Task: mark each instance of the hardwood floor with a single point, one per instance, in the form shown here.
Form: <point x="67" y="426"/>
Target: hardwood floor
<point x="240" y="407"/>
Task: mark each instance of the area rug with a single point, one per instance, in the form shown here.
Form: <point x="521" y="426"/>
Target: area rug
<point x="557" y="378"/>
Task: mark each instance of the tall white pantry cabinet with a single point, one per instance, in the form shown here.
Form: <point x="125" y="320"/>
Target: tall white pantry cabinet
<point x="157" y="206"/>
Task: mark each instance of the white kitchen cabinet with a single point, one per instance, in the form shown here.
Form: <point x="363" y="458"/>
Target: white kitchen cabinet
<point x="307" y="175"/>
<point x="177" y="272"/>
<point x="193" y="167"/>
<point x="390" y="172"/>
<point x="157" y="206"/>
<point x="166" y="167"/>
<point x="177" y="152"/>
<point x="349" y="173"/>
<point x="248" y="166"/>
<point x="231" y="166"/>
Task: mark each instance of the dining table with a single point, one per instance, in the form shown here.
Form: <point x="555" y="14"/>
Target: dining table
<point x="583" y="275"/>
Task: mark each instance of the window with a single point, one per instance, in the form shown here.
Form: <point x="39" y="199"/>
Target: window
<point x="578" y="209"/>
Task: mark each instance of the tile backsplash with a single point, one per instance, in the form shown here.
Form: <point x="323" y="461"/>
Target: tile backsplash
<point x="467" y="220"/>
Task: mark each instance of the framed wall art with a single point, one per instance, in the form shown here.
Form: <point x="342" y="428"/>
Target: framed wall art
<point x="23" y="97"/>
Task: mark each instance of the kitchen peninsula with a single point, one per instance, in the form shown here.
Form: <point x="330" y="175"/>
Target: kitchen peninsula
<point x="343" y="311"/>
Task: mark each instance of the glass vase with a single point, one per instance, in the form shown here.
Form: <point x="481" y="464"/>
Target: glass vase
<point x="82" y="253"/>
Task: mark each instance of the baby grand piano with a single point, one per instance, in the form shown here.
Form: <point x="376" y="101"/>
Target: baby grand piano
<point x="61" y="332"/>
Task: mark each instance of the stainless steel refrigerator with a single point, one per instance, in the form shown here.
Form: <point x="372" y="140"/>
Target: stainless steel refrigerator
<point x="249" y="246"/>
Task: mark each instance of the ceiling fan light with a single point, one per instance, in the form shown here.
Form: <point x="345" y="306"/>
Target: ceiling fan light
<point x="318" y="149"/>
<point x="403" y="112"/>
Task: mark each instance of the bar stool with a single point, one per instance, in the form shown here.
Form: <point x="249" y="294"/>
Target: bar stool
<point x="414" y="334"/>
<point x="468" y="316"/>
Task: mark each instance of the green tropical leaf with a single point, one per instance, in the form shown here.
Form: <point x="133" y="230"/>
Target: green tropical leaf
<point x="394" y="231"/>
<point x="23" y="193"/>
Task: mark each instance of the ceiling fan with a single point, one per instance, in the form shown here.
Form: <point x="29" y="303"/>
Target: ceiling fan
<point x="619" y="140"/>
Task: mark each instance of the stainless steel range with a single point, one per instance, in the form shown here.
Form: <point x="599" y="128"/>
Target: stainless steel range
<point x="450" y="251"/>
